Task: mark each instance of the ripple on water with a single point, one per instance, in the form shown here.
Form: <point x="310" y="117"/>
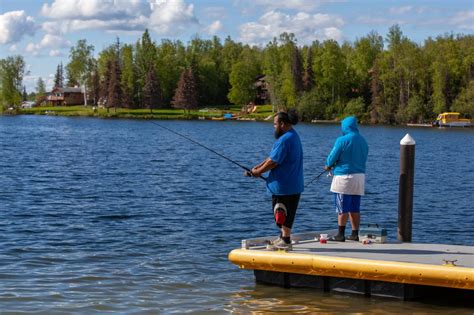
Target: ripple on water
<point x="120" y="216"/>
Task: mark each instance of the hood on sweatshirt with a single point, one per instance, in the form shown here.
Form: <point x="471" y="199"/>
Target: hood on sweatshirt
<point x="349" y="124"/>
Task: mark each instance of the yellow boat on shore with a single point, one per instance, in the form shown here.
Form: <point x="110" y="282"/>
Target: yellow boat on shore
<point x="451" y="119"/>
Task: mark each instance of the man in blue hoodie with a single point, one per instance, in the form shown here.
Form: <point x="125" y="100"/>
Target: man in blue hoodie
<point x="347" y="159"/>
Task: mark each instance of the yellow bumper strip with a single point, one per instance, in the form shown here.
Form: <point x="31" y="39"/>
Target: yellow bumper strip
<point x="400" y="272"/>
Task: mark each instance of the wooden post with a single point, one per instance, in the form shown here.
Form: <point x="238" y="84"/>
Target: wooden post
<point x="405" y="192"/>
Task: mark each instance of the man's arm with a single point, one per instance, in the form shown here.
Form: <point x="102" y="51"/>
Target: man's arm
<point x="333" y="157"/>
<point x="263" y="167"/>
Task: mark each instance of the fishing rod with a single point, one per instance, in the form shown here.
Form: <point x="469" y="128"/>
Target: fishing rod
<point x="209" y="149"/>
<point x="315" y="178"/>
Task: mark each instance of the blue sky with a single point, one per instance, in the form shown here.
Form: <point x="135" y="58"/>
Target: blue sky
<point x="43" y="31"/>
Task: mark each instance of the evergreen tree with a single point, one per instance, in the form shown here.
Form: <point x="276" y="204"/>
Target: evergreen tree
<point x="171" y="58"/>
<point x="151" y="91"/>
<point x="146" y="58"/>
<point x="128" y="77"/>
<point x="375" y="90"/>
<point x="24" y="95"/>
<point x="104" y="85"/>
<point x="59" y="76"/>
<point x="95" y="86"/>
<point x="114" y="90"/>
<point x="185" y="96"/>
<point x="297" y="70"/>
<point x="308" y="79"/>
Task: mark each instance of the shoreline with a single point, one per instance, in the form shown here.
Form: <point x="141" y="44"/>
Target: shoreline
<point x="175" y="114"/>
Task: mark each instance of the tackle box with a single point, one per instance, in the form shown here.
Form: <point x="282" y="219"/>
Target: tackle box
<point x="372" y="232"/>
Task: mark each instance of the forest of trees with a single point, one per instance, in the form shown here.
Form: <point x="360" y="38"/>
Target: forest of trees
<point x="381" y="80"/>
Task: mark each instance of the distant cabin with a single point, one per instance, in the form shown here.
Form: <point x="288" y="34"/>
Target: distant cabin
<point x="261" y="97"/>
<point x="66" y="96"/>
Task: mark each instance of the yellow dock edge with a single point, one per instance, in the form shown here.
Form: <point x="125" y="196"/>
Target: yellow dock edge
<point x="376" y="270"/>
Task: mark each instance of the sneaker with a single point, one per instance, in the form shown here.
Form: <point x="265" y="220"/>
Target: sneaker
<point x="281" y="244"/>
<point x="337" y="238"/>
<point x="273" y="242"/>
<point x="353" y="238"/>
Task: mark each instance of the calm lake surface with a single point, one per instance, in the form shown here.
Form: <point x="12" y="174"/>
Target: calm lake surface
<point x="122" y="216"/>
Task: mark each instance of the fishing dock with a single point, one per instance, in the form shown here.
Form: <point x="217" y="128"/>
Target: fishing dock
<point x="393" y="269"/>
<point x="399" y="269"/>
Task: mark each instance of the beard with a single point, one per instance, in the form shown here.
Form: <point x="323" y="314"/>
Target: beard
<point x="278" y="133"/>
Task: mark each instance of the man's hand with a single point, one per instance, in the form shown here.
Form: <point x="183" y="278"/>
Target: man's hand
<point x="327" y="168"/>
<point x="255" y="172"/>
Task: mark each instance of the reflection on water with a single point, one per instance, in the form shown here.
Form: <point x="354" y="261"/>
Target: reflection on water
<point x="121" y="216"/>
<point x="264" y="299"/>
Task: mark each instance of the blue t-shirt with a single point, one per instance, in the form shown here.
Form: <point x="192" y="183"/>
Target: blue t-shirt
<point x="287" y="177"/>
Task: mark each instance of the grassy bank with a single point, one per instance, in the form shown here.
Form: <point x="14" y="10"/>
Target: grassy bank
<point x="261" y="113"/>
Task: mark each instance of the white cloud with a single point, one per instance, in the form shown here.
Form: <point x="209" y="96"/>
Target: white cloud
<point x="306" y="27"/>
<point x="172" y="17"/>
<point x="110" y="15"/>
<point x="63" y="27"/>
<point x="30" y="81"/>
<point x="49" y="41"/>
<point x="464" y="20"/>
<point x="55" y="53"/>
<point x="422" y="9"/>
<point x="13" y="48"/>
<point x="215" y="12"/>
<point x="331" y="33"/>
<point x="379" y="20"/>
<point x="95" y="9"/>
<point x="401" y="10"/>
<point x="166" y="17"/>
<point x="14" y="25"/>
<point x="213" y="28"/>
<point x="299" y="5"/>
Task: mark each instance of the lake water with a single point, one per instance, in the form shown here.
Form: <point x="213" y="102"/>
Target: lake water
<point x="122" y="216"/>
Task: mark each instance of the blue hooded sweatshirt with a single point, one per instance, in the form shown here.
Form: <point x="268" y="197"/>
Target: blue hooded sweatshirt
<point x="349" y="154"/>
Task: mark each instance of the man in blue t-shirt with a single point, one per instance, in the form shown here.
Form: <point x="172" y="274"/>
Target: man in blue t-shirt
<point x="285" y="181"/>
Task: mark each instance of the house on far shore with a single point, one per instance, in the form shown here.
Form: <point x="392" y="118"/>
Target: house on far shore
<point x="66" y="96"/>
<point x="261" y="97"/>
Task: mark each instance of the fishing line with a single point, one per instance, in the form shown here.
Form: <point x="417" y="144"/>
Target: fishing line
<point x="203" y="146"/>
<point x="315" y="178"/>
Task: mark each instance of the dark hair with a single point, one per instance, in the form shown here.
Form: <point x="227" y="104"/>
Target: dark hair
<point x="289" y="117"/>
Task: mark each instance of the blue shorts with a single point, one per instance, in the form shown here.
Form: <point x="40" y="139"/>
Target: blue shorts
<point x="346" y="203"/>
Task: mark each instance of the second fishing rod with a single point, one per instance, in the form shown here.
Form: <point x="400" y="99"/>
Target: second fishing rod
<point x="248" y="170"/>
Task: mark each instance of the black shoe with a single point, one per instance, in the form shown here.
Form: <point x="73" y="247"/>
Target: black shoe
<point x="337" y="238"/>
<point x="353" y="238"/>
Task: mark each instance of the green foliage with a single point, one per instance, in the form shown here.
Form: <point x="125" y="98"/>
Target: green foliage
<point x="40" y="86"/>
<point x="80" y="65"/>
<point x="185" y="96"/>
<point x="392" y="81"/>
<point x="242" y="77"/>
<point x="464" y="103"/>
<point x="128" y="77"/>
<point x="12" y="70"/>
<point x="312" y="105"/>
<point x="59" y="76"/>
<point x="355" y="107"/>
